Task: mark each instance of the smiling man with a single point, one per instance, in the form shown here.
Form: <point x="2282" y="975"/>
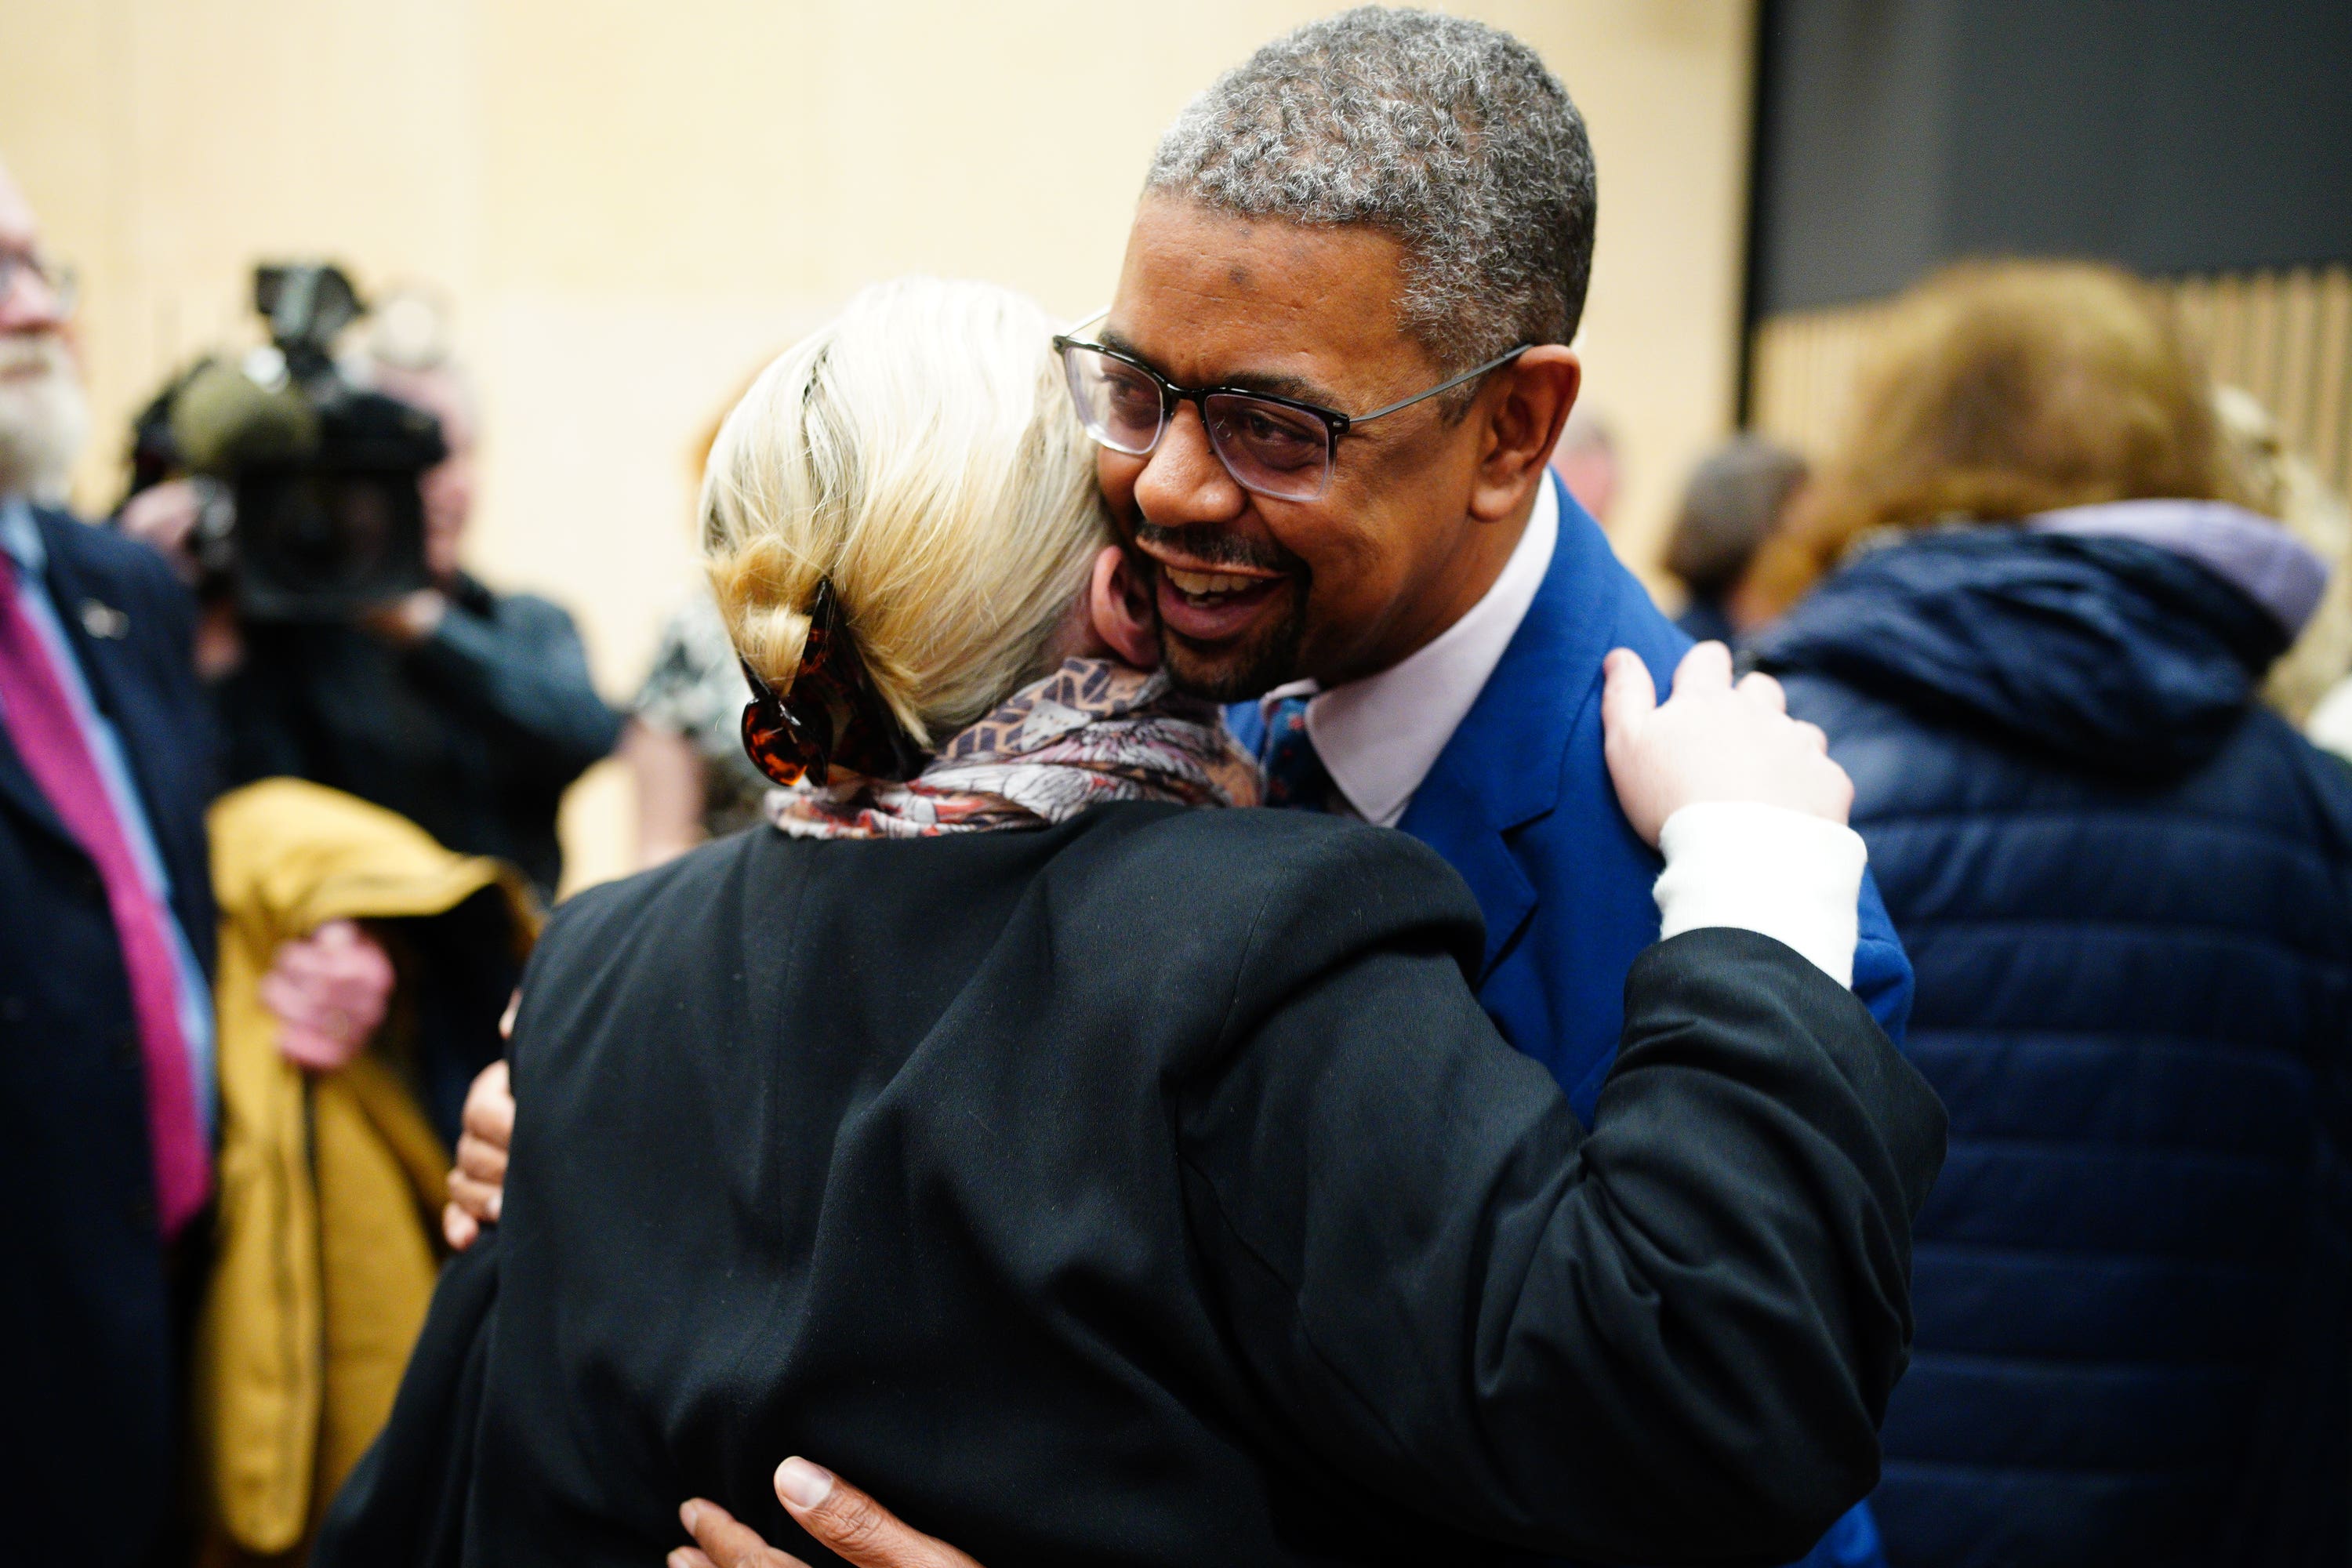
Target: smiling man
<point x="1324" y="394"/>
<point x="1393" y="212"/>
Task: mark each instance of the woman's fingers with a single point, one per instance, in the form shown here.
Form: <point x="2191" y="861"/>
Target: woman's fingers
<point x="1706" y="668"/>
<point x="477" y="1185"/>
<point x="491" y="1107"/>
<point x="1765" y="689"/>
<point x="457" y="1228"/>
<point x="1712" y="741"/>
<point x="1629" y="705"/>
<point x="483" y="1161"/>
<point x="478" y="1199"/>
<point x="1628" y="695"/>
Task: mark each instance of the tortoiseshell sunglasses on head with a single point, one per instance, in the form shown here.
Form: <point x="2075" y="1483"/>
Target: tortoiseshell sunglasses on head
<point x="832" y="714"/>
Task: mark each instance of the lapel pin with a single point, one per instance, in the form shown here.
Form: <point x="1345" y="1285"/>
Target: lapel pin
<point x="104" y="620"/>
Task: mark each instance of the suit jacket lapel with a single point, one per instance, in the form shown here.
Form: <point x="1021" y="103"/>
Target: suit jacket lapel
<point x="103" y="668"/>
<point x="1502" y="768"/>
<point x="1448" y="815"/>
<point x="114" y="686"/>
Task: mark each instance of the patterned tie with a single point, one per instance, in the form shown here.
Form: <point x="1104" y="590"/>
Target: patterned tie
<point x="1295" y="774"/>
<point x="49" y="740"/>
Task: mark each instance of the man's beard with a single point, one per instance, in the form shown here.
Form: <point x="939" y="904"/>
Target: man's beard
<point x="1265" y="659"/>
<point x="43" y="415"/>
<point x="1238" y="674"/>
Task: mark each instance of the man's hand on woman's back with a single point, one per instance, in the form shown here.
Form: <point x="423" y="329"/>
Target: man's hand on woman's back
<point x="849" y="1524"/>
<point x="853" y="1525"/>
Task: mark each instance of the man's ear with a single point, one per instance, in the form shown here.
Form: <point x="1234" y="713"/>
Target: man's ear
<point x="1119" y="601"/>
<point x="1528" y="412"/>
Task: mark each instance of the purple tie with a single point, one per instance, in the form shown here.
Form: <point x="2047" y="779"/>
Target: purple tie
<point x="55" y="753"/>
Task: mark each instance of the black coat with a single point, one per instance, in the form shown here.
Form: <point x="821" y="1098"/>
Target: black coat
<point x="89" y="1377"/>
<point x="2127" y="889"/>
<point x="473" y="733"/>
<point x="1151" y="1189"/>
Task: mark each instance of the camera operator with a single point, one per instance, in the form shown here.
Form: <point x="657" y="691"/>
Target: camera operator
<point x="465" y="710"/>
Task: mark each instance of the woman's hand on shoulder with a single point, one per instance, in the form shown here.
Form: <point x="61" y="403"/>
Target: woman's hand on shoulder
<point x="1711" y="740"/>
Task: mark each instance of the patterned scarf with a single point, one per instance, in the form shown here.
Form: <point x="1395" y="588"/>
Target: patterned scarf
<point x="1091" y="732"/>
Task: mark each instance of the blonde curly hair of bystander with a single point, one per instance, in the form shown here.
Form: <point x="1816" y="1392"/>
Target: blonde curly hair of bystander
<point x="1998" y="390"/>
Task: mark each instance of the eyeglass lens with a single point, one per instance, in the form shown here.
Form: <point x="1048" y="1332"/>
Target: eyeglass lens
<point x="1120" y="406"/>
<point x="1268" y="447"/>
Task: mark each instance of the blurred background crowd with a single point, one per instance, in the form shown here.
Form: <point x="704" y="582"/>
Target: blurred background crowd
<point x="1983" y="368"/>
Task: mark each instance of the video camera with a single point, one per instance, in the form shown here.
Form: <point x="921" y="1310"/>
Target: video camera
<point x="309" y="504"/>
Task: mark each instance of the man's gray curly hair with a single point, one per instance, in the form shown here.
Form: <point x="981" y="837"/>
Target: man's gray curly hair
<point x="1446" y="133"/>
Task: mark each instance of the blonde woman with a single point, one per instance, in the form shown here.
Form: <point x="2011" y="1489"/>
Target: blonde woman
<point x="1104" y="1180"/>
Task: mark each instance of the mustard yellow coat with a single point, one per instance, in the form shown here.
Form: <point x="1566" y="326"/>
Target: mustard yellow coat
<point x="330" y="1184"/>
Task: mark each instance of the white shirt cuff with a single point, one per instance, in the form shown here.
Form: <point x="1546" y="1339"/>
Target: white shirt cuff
<point x="1765" y="869"/>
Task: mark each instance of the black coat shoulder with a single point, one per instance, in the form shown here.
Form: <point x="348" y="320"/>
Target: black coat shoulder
<point x="1204" y="886"/>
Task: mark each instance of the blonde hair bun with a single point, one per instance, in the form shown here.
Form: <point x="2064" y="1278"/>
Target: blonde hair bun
<point x="921" y="452"/>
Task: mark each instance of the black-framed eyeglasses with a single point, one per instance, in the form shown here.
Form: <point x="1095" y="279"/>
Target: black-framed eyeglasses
<point x="60" y="281"/>
<point x="1275" y="446"/>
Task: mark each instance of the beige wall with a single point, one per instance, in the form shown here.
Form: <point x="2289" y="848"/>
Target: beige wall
<point x="632" y="206"/>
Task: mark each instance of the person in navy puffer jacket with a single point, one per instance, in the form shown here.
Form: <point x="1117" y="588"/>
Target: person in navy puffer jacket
<point x="2127" y="889"/>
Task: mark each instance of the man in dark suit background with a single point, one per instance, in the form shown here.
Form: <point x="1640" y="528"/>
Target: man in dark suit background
<point x="106" y="941"/>
<point x="107" y="931"/>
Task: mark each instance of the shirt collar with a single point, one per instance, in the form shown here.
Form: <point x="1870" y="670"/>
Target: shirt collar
<point x="21" y="537"/>
<point x="1379" y="737"/>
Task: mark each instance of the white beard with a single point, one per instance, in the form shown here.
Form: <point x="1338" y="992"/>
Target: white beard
<point x="44" y="417"/>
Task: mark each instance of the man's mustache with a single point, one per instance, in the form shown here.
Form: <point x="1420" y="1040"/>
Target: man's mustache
<point x="1216" y="546"/>
<point x="21" y="352"/>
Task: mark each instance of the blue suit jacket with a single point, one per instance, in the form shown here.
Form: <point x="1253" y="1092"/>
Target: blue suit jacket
<point x="88" y="1363"/>
<point x="1520" y="803"/>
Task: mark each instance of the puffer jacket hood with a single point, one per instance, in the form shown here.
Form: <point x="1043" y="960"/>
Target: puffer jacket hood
<point x="2073" y="632"/>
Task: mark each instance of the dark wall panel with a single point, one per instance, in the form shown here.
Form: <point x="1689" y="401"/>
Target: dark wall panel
<point x="2170" y="135"/>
